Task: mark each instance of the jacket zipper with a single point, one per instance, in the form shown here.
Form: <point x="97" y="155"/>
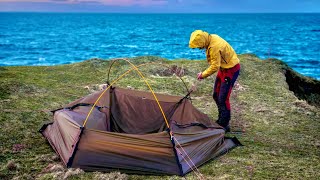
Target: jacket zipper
<point x="223" y="58"/>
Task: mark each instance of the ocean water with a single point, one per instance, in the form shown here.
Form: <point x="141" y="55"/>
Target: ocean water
<point x="58" y="38"/>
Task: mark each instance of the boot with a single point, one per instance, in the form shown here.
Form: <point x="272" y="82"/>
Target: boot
<point x="224" y="118"/>
<point x="227" y="128"/>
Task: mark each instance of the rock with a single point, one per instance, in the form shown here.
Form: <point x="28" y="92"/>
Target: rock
<point x="18" y="147"/>
<point x="57" y="175"/>
<point x="72" y="172"/>
<point x="261" y="109"/>
<point x="174" y="69"/>
<point x="53" y="168"/>
<point x="112" y="175"/>
<point x="24" y="176"/>
<point x="239" y="87"/>
<point x="55" y="158"/>
<point x="44" y="158"/>
<point x="57" y="167"/>
<point x="102" y="86"/>
<point x="11" y="165"/>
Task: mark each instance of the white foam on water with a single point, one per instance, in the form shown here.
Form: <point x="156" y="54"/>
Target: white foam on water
<point x="248" y="51"/>
<point x="106" y="45"/>
<point x="41" y="59"/>
<point x="130" y="46"/>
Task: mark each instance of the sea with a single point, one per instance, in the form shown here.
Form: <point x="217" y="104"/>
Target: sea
<point x="38" y="39"/>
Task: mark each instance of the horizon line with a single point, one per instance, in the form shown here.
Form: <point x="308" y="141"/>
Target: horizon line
<point x="92" y="12"/>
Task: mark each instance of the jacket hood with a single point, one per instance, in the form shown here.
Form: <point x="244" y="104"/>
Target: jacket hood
<point x="199" y="39"/>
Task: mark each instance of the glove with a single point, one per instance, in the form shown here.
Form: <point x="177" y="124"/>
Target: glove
<point x="199" y="76"/>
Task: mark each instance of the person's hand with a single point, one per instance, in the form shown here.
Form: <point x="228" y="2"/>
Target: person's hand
<point x="199" y="76"/>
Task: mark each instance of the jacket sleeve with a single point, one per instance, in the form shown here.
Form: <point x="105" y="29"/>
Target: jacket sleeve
<point x="214" y="60"/>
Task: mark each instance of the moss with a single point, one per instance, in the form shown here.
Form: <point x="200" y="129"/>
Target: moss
<point x="280" y="131"/>
<point x="4" y="91"/>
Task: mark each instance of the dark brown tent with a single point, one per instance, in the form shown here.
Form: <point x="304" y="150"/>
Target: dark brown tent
<point x="126" y="131"/>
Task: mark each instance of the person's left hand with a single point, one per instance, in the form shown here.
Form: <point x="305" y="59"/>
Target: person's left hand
<point x="199" y="76"/>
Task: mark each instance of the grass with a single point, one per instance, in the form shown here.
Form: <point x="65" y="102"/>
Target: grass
<point x="281" y="133"/>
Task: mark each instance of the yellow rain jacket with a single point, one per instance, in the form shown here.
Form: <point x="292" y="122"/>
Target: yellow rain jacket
<point x="219" y="52"/>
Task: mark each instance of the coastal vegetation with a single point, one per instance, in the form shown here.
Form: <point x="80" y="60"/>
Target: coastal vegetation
<point x="275" y="112"/>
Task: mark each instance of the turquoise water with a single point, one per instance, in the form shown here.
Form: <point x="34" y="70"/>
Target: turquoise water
<point x="51" y="39"/>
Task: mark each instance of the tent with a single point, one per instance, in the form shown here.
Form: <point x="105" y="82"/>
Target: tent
<point x="126" y="130"/>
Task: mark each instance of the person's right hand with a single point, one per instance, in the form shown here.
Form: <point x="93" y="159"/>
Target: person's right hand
<point x="199" y="76"/>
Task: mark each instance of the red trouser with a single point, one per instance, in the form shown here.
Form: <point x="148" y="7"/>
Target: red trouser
<point x="221" y="93"/>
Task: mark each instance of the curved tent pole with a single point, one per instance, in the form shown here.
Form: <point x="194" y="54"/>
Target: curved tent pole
<point x="95" y="103"/>
<point x="115" y="60"/>
<point x="141" y="75"/>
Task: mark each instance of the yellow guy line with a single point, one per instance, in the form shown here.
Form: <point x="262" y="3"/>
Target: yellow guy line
<point x="135" y="68"/>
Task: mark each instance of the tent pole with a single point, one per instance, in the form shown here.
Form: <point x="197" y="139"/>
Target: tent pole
<point x="70" y="161"/>
<point x="175" y="152"/>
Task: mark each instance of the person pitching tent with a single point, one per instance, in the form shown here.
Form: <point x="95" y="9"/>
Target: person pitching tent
<point x="222" y="59"/>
